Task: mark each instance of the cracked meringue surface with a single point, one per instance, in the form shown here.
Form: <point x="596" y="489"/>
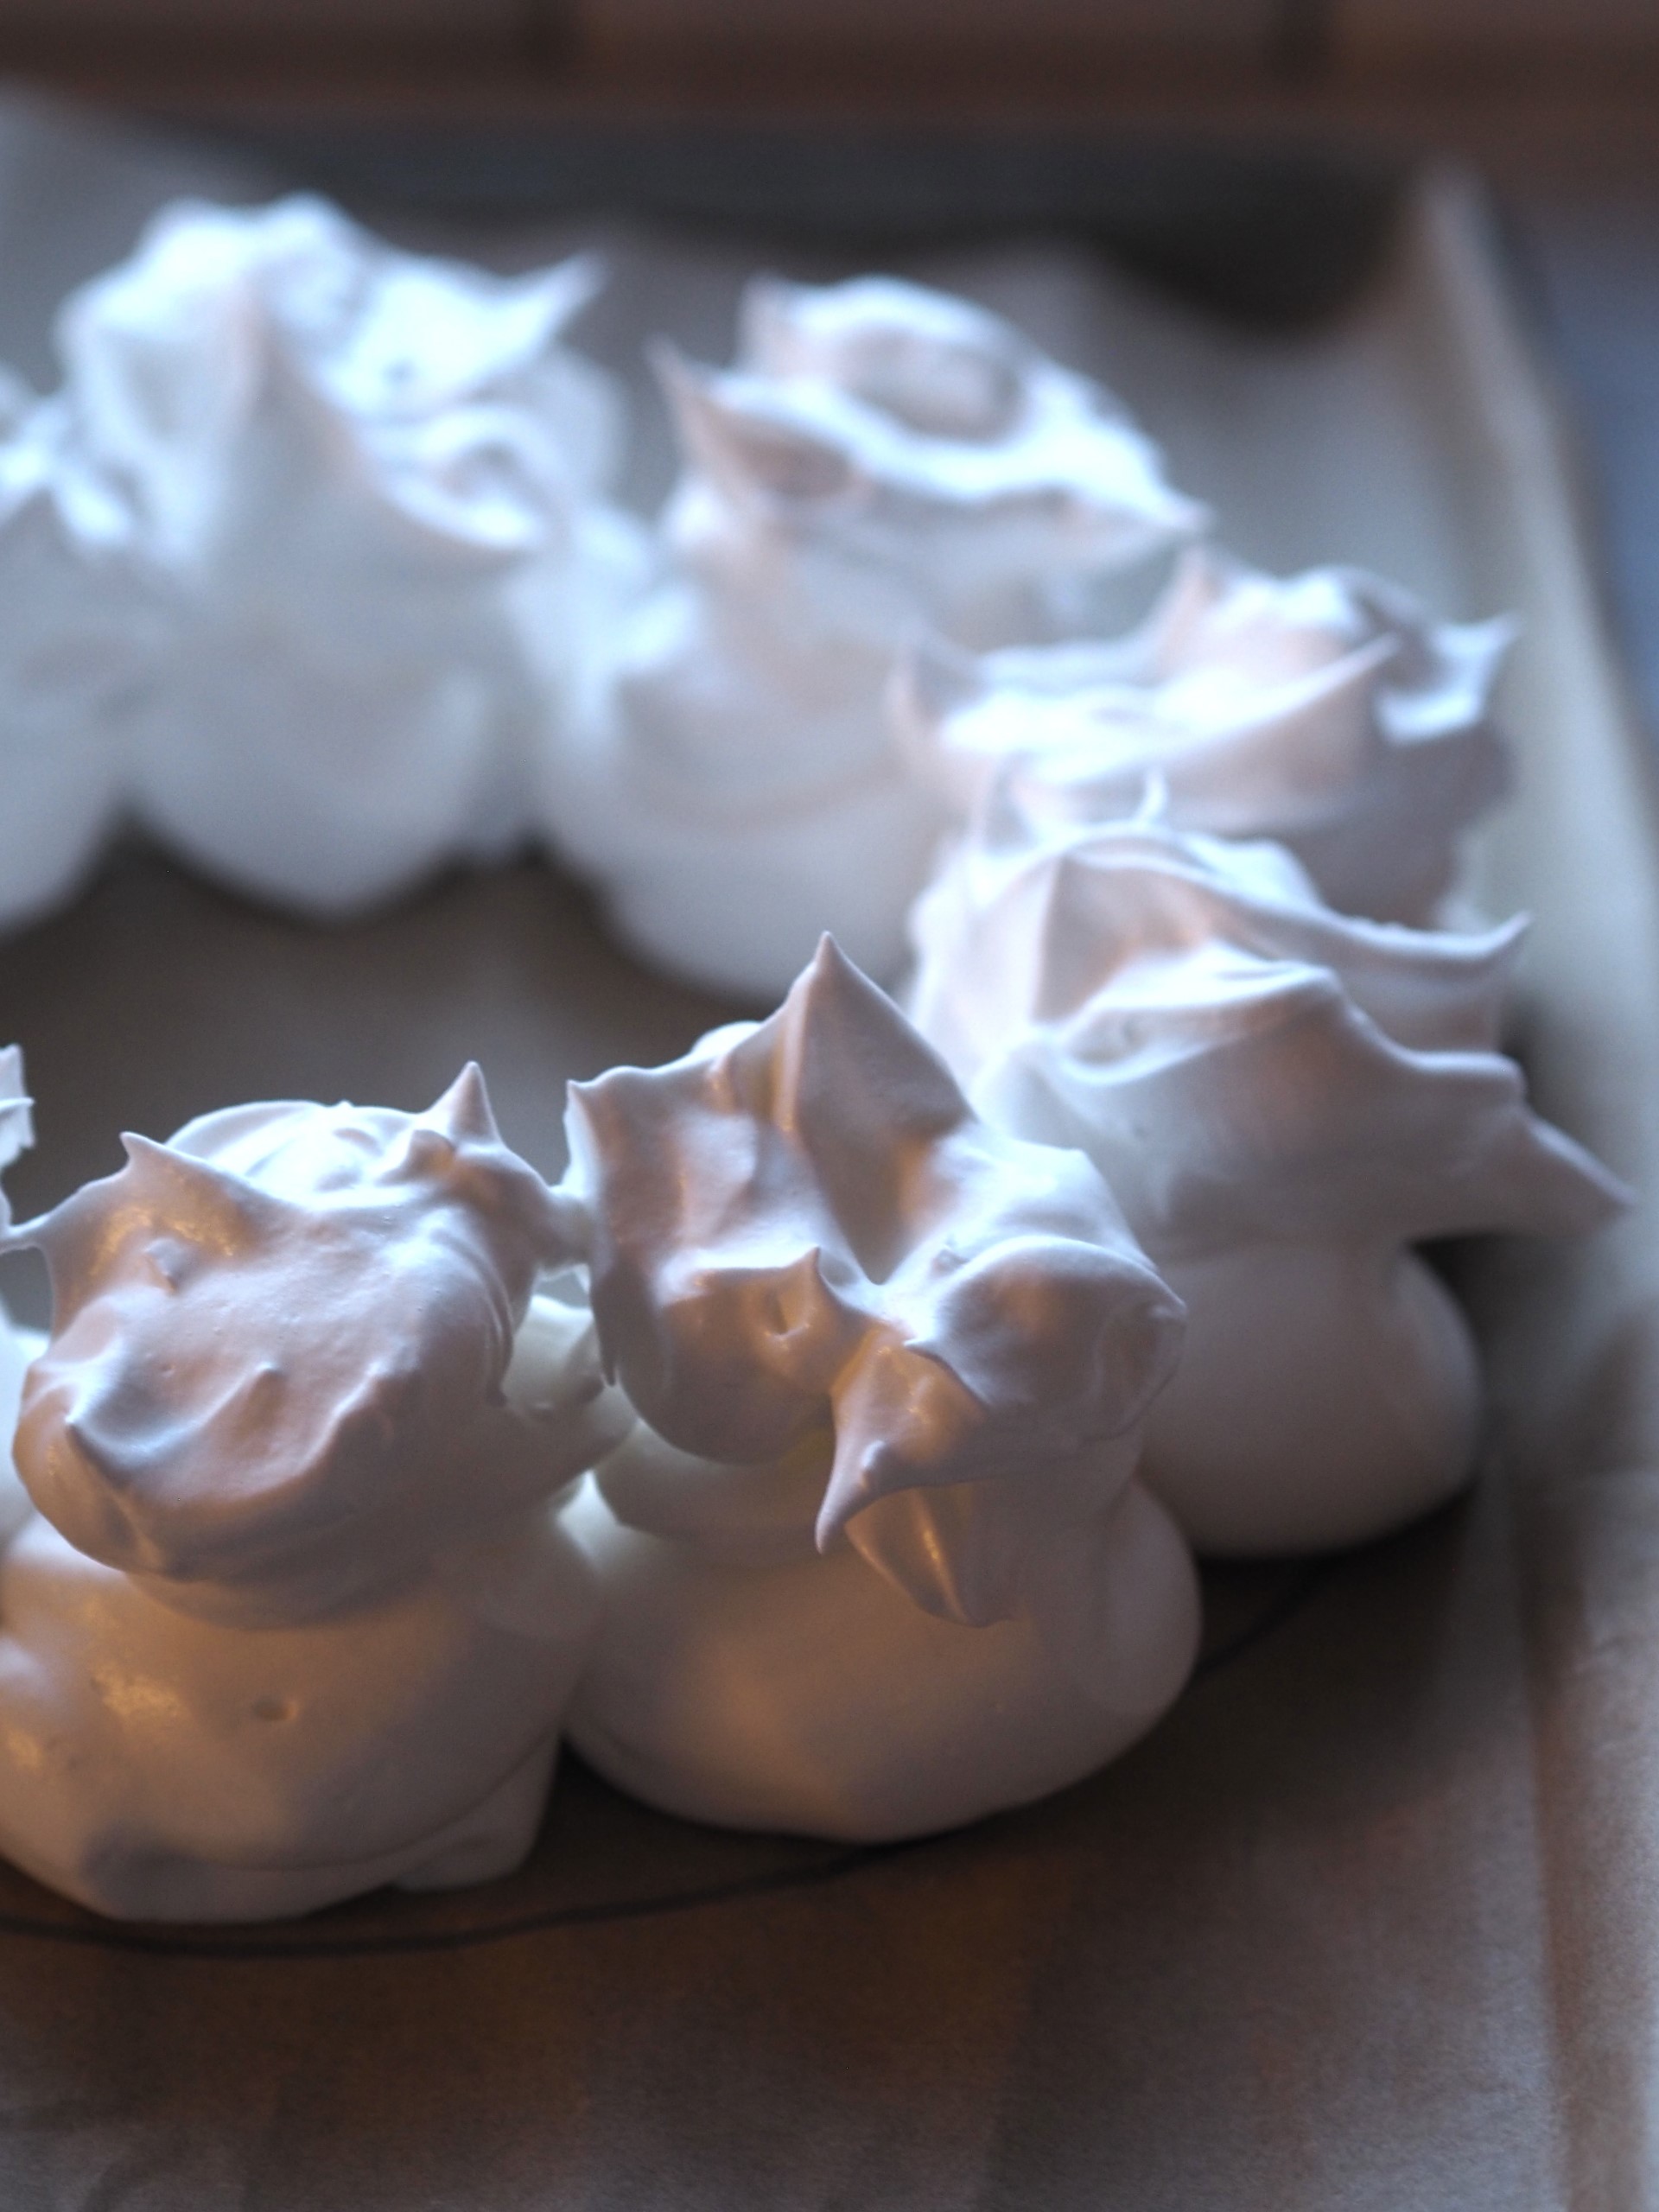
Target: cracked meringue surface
<point x="882" y="458"/>
<point x="1326" y="711"/>
<point x="340" y="456"/>
<point x="875" y="1561"/>
<point x="1286" y="1101"/>
<point x="294" y="1615"/>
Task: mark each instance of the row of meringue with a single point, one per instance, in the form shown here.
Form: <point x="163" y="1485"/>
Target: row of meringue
<point x="894" y="1435"/>
<point x="311" y="565"/>
<point x="294" y="1612"/>
<point x="874" y="572"/>
<point x="259" y="551"/>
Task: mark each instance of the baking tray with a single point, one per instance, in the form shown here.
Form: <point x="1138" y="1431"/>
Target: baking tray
<point x="1370" y="1921"/>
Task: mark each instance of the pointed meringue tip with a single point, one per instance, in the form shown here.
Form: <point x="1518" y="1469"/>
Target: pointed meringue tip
<point x="680" y="378"/>
<point x="1618" y="1197"/>
<point x="17" y="1108"/>
<point x="828" y="962"/>
<point x="1152" y="808"/>
<point x="1497" y="947"/>
<point x="1192" y="519"/>
<point x="830" y="966"/>
<point x="764" y="301"/>
<point x="849" y="1489"/>
<point x="830" y="1529"/>
<point x="464" y="1110"/>
<point x="575" y="283"/>
<point x="1491" y="638"/>
<point x="1204" y="561"/>
<point x="934" y="679"/>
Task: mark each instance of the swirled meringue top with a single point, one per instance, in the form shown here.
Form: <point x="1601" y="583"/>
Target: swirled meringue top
<point x="1326" y="711"/>
<point x="918" y="452"/>
<point x="801" y="1233"/>
<point x="274" y="1374"/>
<point x="273" y="385"/>
<point x="1241" y="1061"/>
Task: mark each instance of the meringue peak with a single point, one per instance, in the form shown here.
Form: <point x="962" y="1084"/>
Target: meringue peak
<point x="278" y="1344"/>
<point x="1241" y="1061"/>
<point x="803" y="1223"/>
<point x="1325" y="710"/>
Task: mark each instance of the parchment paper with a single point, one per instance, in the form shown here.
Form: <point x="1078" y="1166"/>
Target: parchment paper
<point x="1369" y="1921"/>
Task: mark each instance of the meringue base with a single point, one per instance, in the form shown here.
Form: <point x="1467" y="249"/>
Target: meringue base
<point x="740" y="908"/>
<point x="813" y="1698"/>
<point x="1324" y="1397"/>
<point x="158" y="1766"/>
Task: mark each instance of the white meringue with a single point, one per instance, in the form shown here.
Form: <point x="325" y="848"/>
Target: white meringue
<point x="81" y="628"/>
<point x="295" y="1617"/>
<point x="859" y="1323"/>
<point x="884" y="458"/>
<point x="1285" y="1101"/>
<point x="18" y="1346"/>
<point x="341" y="454"/>
<point x="1326" y="711"/>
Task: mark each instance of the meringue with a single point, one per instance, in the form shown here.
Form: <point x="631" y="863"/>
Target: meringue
<point x="1325" y="711"/>
<point x="883" y="458"/>
<point x="875" y="1561"/>
<point x="81" y="627"/>
<point x="18" y="1346"/>
<point x="1285" y="1101"/>
<point x="341" y="456"/>
<point x="295" y="1616"/>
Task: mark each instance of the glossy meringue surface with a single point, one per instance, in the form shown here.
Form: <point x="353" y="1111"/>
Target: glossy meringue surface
<point x="296" y="1615"/>
<point x="1326" y="711"/>
<point x="801" y="1227"/>
<point x="882" y="458"/>
<point x="812" y="1697"/>
<point x="1285" y="1100"/>
<point x="857" y="1322"/>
